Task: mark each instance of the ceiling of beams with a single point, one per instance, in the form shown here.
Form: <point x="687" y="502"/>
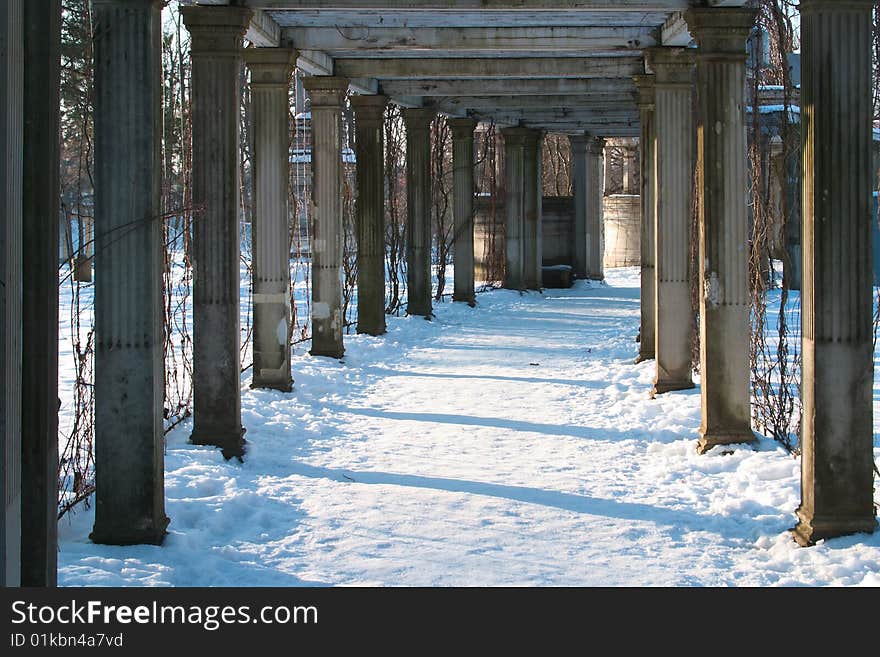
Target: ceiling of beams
<point x="558" y="65"/>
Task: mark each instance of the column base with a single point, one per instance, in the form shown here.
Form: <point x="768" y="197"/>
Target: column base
<point x="281" y="386"/>
<point x="661" y="387"/>
<point x="817" y="528"/>
<point x="643" y="356"/>
<point x="465" y="298"/>
<point x="710" y="440"/>
<point x="231" y="444"/>
<point x="125" y="535"/>
<point x="328" y="353"/>
<point x="370" y="330"/>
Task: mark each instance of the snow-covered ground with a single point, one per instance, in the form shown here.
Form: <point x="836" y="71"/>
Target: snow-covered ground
<point x="509" y="444"/>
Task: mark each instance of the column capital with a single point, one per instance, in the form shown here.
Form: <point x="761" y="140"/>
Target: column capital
<point x="270" y="67"/>
<point x="807" y="6"/>
<point x="721" y="32"/>
<point x="596" y="145"/>
<point x="671" y="66"/>
<point x="369" y="110"/>
<point x="644" y="91"/>
<point x="578" y="142"/>
<point x="462" y="128"/>
<point x="325" y="90"/>
<point x="216" y="30"/>
<point x="418" y="118"/>
<point x="128" y="3"/>
<point x="533" y="137"/>
<point x="516" y="135"/>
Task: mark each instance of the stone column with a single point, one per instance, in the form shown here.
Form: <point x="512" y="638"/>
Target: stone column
<point x="579" y="189"/>
<point x="216" y="96"/>
<point x="837" y="432"/>
<point x="369" y="115"/>
<point x="514" y="207"/>
<point x="647" y="147"/>
<point x="629" y="168"/>
<point x="327" y="97"/>
<point x="673" y="131"/>
<point x="40" y="248"/>
<point x="595" y="194"/>
<point x="463" y="212"/>
<point x="271" y="69"/>
<point x="129" y="367"/>
<point x="722" y="186"/>
<point x="533" y="193"/>
<point x="418" y="210"/>
<point x="11" y="70"/>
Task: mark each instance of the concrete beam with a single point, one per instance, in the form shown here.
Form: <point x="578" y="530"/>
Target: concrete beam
<point x="584" y="5"/>
<point x="430" y="40"/>
<point x="517" y="67"/>
<point x="263" y="31"/>
<point x="508" y="87"/>
<point x="675" y="31"/>
<point x="598" y="103"/>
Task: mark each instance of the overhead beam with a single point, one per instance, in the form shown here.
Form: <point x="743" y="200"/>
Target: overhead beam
<point x="347" y="38"/>
<point x="508" y="87"/>
<point x="589" y="101"/>
<point x="675" y="31"/>
<point x="587" y="5"/>
<point x="263" y="31"/>
<point x="456" y="68"/>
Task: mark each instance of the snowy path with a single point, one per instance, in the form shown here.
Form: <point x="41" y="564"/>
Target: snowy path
<point x="509" y="444"/>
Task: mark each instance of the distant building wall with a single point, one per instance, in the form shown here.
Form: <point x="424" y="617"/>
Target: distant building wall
<point x="622" y="215"/>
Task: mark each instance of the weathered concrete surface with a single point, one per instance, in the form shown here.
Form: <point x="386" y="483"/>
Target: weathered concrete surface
<point x="579" y="188"/>
<point x="673" y="124"/>
<point x="11" y="71"/>
<point x="463" y="210"/>
<point x="621" y="218"/>
<point x="722" y="186"/>
<point x="533" y="194"/>
<point x="648" y="177"/>
<point x="129" y="367"/>
<point x="837" y="432"/>
<point x="40" y="208"/>
<point x="369" y="113"/>
<point x="418" y="210"/>
<point x="595" y="194"/>
<point x="216" y="92"/>
<point x="271" y="69"/>
<point x="514" y="184"/>
<point x="327" y="96"/>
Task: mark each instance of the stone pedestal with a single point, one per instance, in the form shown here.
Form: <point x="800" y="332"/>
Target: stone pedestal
<point x="722" y="186"/>
<point x="40" y="212"/>
<point x="579" y="189"/>
<point x="129" y="370"/>
<point x="514" y="206"/>
<point x="418" y="210"/>
<point x="594" y="195"/>
<point x="327" y="96"/>
<point x="533" y="193"/>
<point x="270" y="70"/>
<point x="216" y="104"/>
<point x="837" y="432"/>
<point x="648" y="178"/>
<point x="11" y="81"/>
<point x="369" y="115"/>
<point x="673" y="132"/>
<point x="463" y="209"/>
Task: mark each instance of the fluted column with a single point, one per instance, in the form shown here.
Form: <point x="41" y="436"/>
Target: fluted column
<point x="129" y="371"/>
<point x="369" y="115"/>
<point x="837" y="431"/>
<point x="673" y="131"/>
<point x="463" y="210"/>
<point x="270" y="70"/>
<point x="216" y="103"/>
<point x="579" y="189"/>
<point x="595" y="194"/>
<point x="514" y="207"/>
<point x="418" y="210"/>
<point x="327" y="97"/>
<point x="11" y="71"/>
<point x="721" y="189"/>
<point x="533" y="188"/>
<point x="39" y="307"/>
<point x="647" y="147"/>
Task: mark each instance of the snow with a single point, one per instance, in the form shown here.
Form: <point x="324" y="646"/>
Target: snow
<point x="509" y="444"/>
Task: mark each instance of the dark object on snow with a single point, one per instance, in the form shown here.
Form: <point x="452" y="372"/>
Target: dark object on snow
<point x="557" y="276"/>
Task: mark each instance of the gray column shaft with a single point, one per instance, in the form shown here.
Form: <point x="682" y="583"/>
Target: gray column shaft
<point x="722" y="186"/>
<point x="216" y="96"/>
<point x="579" y="189"/>
<point x="514" y="206"/>
<point x="594" y="195"/>
<point x="11" y="71"/>
<point x="271" y="69"/>
<point x="463" y="210"/>
<point x="532" y="197"/>
<point x="129" y="372"/>
<point x="837" y="431"/>
<point x="370" y="156"/>
<point x="327" y="96"/>
<point x="673" y="125"/>
<point x="418" y="210"/>
<point x="40" y="211"/>
<point x="647" y="150"/>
